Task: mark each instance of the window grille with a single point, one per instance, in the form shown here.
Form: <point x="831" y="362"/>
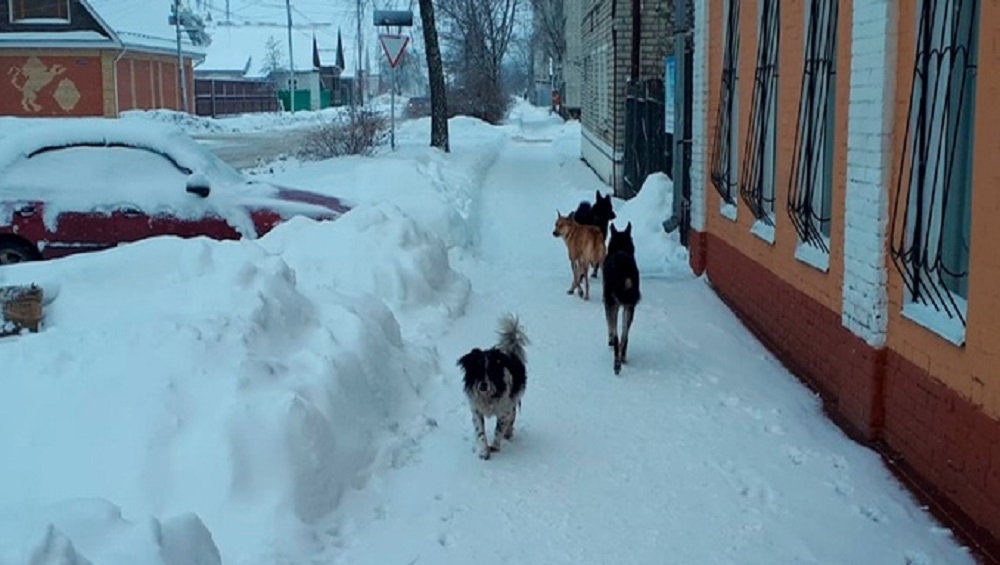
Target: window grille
<point x="932" y="209"/>
<point x="810" y="189"/>
<point x="723" y="163"/>
<point x="757" y="178"/>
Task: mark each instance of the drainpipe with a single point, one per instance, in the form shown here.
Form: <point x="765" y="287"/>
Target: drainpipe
<point x="614" y="98"/>
<point x="114" y="74"/>
<point x="614" y="115"/>
<point x="636" y="39"/>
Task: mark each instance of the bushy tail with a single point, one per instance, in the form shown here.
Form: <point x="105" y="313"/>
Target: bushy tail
<point x="512" y="337"/>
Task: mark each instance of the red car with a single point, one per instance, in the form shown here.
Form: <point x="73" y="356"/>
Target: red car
<point x="75" y="185"/>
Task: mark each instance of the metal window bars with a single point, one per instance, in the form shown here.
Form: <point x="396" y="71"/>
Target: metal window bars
<point x="762" y="116"/>
<point x="935" y="157"/>
<point x="723" y="175"/>
<point x="807" y="202"/>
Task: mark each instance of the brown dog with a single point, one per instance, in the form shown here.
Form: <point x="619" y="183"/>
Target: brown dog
<point x="585" y="246"/>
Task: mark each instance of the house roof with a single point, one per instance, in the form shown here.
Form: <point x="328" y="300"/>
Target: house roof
<point x="130" y="24"/>
<point x="324" y="18"/>
<point x="238" y="47"/>
<point x="142" y="25"/>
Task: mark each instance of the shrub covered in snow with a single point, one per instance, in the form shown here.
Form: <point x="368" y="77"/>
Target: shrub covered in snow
<point x="359" y="132"/>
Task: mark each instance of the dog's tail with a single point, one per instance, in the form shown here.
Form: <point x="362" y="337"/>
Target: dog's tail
<point x="512" y="337"/>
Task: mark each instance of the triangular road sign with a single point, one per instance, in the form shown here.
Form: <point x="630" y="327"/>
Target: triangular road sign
<point x="393" y="46"/>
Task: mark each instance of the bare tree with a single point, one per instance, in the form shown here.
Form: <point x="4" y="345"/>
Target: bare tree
<point x="274" y="57"/>
<point x="479" y="33"/>
<point x="435" y="70"/>
<point x="550" y="31"/>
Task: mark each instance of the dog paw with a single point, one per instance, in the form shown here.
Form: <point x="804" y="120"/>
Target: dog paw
<point x="570" y="291"/>
<point x="494" y="448"/>
<point x="618" y="367"/>
<point x="484" y="454"/>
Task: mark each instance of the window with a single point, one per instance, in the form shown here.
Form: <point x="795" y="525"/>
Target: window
<point x="932" y="211"/>
<point x="757" y="177"/>
<point x="39" y="10"/>
<point x="811" y="191"/>
<point x="725" y="156"/>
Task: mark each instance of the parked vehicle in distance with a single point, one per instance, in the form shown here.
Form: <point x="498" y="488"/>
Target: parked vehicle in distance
<point x="418" y="107"/>
<point x="71" y="186"/>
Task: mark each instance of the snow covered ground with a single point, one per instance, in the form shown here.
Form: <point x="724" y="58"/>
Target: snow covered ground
<point x="295" y="399"/>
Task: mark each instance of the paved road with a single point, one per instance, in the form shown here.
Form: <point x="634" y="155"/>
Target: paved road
<point x="246" y="149"/>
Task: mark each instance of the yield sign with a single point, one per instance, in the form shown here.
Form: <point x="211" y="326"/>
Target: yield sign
<point x="393" y="46"/>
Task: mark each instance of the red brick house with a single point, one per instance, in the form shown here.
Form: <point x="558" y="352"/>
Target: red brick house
<point x="91" y="58"/>
<point x="844" y="177"/>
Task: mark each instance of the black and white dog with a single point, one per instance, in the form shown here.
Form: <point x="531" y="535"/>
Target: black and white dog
<point x="495" y="379"/>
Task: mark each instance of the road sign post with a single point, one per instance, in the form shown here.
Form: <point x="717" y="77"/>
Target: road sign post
<point x="393" y="45"/>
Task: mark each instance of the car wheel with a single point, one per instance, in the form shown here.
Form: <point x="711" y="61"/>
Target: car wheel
<point x="13" y="252"/>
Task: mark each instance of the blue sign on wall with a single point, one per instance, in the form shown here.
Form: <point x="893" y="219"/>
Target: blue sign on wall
<point x="668" y="94"/>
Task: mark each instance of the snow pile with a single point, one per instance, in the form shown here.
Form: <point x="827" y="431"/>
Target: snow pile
<point x="190" y="123"/>
<point x="186" y="382"/>
<point x="656" y="252"/>
<point x="245" y="123"/>
<point x="439" y="190"/>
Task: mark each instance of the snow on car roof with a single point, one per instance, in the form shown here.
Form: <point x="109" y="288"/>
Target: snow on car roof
<point x="92" y="172"/>
<point x="20" y="138"/>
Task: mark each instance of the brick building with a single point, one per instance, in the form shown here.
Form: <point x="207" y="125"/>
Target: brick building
<point x="90" y="58"/>
<point x="844" y="177"/>
<point x="605" y="48"/>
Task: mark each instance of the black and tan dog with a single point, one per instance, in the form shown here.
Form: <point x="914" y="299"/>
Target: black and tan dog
<point x="495" y="380"/>
<point x="585" y="247"/>
<point x="621" y="290"/>
<point x="599" y="214"/>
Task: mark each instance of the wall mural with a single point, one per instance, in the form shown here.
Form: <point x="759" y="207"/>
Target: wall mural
<point x="33" y="76"/>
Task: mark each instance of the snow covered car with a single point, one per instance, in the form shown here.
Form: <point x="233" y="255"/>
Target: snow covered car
<point x="69" y="186"/>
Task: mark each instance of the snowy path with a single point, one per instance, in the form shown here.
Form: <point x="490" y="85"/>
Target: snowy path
<point x="704" y="451"/>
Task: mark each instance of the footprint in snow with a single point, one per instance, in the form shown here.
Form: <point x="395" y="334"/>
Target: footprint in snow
<point x="873" y="513"/>
<point x="796" y="455"/>
<point x="775" y="429"/>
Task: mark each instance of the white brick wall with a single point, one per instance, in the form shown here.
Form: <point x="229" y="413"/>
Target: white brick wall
<point x="869" y="166"/>
<point x="699" y="104"/>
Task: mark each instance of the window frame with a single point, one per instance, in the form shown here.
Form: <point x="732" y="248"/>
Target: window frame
<point x="939" y="142"/>
<point x="14" y="20"/>
<point x="724" y="173"/>
<point x="810" y="191"/>
<point x="759" y="172"/>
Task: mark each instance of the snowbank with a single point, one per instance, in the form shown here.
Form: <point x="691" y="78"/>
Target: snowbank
<point x="243" y="123"/>
<point x="439" y="190"/>
<point x="216" y="394"/>
<point x="656" y="252"/>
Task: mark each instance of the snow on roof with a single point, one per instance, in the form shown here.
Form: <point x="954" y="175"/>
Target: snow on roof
<point x="142" y="24"/>
<point x="320" y="17"/>
<point x="234" y="45"/>
<point x="50" y="37"/>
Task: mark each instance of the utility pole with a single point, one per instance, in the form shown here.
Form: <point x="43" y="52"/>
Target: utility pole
<point x="291" y="58"/>
<point x="227" y="11"/>
<point x="182" y="74"/>
<point x="360" y="74"/>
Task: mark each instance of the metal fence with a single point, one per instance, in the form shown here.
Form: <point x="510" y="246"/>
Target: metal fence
<point x="220" y="97"/>
<point x="645" y="138"/>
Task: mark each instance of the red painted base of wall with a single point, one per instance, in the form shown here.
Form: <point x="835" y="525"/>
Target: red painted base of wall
<point x="944" y="448"/>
